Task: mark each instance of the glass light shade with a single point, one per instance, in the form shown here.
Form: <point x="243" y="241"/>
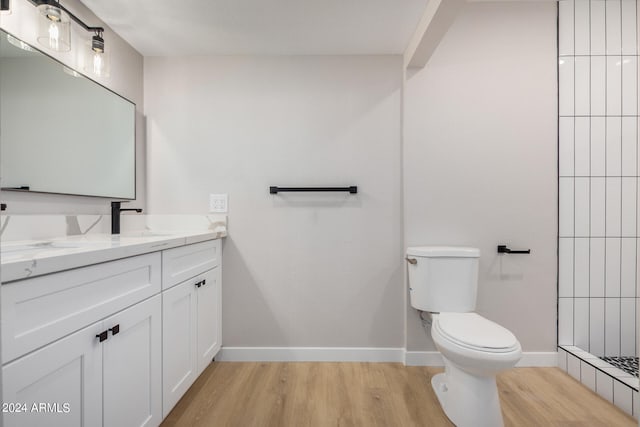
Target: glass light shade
<point x="54" y="28"/>
<point x="97" y="64"/>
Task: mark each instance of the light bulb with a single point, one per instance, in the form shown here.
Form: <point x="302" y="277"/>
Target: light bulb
<point x="98" y="64"/>
<point x="54" y="36"/>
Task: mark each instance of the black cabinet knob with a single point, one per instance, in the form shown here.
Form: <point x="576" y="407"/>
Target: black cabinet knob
<point x="102" y="336"/>
<point x="115" y="329"/>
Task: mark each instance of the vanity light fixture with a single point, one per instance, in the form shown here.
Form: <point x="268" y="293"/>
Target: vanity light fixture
<point x="98" y="62"/>
<point x="54" y="28"/>
<point x="55" y="33"/>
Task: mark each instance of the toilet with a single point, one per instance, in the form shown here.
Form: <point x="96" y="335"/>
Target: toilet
<point x="443" y="282"/>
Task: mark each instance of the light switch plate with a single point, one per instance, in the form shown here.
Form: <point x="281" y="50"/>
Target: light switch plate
<point x="218" y="203"/>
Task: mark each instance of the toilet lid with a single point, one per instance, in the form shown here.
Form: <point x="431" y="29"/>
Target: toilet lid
<point x="473" y="330"/>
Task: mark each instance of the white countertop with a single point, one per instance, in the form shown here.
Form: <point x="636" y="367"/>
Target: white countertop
<point x="29" y="258"/>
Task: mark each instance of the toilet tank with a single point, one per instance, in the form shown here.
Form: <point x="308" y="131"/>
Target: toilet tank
<point x="443" y="278"/>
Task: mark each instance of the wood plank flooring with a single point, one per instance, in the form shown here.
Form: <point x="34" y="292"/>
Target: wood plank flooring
<point x="374" y="394"/>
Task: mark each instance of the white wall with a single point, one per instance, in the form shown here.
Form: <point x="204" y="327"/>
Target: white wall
<point x="299" y="269"/>
<point x="480" y="161"/>
<point x="126" y="80"/>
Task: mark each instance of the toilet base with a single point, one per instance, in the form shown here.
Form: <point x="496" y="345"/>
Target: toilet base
<point x="468" y="400"/>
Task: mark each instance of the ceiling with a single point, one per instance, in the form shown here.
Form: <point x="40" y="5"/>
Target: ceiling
<point x="262" y="27"/>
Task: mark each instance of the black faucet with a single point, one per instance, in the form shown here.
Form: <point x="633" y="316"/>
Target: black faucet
<point x="115" y="216"/>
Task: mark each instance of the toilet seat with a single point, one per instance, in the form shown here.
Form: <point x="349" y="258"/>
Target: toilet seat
<point x="474" y="332"/>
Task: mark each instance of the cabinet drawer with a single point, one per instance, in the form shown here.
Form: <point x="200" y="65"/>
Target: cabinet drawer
<point x="180" y="264"/>
<point x="43" y="309"/>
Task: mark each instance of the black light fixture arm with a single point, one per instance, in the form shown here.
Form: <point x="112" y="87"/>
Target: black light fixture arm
<point x="77" y="20"/>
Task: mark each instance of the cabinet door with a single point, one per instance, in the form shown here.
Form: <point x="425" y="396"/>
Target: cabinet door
<point x="209" y="318"/>
<point x="179" y="305"/>
<point x="132" y="366"/>
<point x="63" y="380"/>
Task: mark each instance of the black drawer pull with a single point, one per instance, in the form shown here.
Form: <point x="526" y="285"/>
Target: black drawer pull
<point x="198" y="284"/>
<point x="102" y="336"/>
<point x="204" y="282"/>
<point x="115" y="329"/>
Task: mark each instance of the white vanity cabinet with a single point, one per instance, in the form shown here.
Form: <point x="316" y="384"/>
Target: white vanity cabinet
<point x="191" y="316"/>
<point x="87" y="382"/>
<point x="107" y="373"/>
<point x="100" y="344"/>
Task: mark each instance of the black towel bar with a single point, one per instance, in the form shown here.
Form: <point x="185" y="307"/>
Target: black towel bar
<point x="503" y="249"/>
<point x="275" y="190"/>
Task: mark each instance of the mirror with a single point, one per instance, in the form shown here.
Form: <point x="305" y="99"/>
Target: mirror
<point x="61" y="132"/>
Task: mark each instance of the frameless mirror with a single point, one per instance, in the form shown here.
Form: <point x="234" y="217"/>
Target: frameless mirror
<point x="61" y="132"/>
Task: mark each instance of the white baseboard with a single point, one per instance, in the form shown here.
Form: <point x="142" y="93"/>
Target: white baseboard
<point x="310" y="354"/>
<point x="359" y="354"/>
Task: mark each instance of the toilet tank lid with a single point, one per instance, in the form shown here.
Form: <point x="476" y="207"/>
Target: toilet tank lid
<point x="444" y="251"/>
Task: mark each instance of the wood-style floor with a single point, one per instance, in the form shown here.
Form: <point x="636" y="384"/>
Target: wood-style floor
<point x="374" y="394"/>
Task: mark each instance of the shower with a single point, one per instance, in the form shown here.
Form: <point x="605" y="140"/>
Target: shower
<point x="598" y="165"/>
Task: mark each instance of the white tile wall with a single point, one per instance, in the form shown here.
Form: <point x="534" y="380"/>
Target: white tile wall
<point x="588" y="375"/>
<point x="614" y="85"/>
<point x="565" y="267"/>
<point x="614" y="146"/>
<point x="599" y="191"/>
<point x="562" y="359"/>
<point x="573" y="366"/>
<point x="628" y="261"/>
<point x="581" y="322"/>
<point x="613" y="205"/>
<point x="566" y="207"/>
<point x="612" y="267"/>
<point x="613" y="27"/>
<point x="581" y="268"/>
<point x="598" y="146"/>
<point x="598" y="85"/>
<point x="596" y="267"/>
<point x="596" y="326"/>
<point x="581" y="22"/>
<point x="598" y="206"/>
<point x="565" y="321"/>
<point x="582" y="149"/>
<point x="629" y="27"/>
<point x="598" y="35"/>
<point x="565" y="75"/>
<point x="582" y="81"/>
<point x="604" y="386"/>
<point x="565" y="130"/>
<point x="628" y="327"/>
<point x="628" y="207"/>
<point x="565" y="33"/>
<point x="629" y="85"/>
<point x="582" y="207"/>
<point x="629" y="146"/>
<point x="612" y="327"/>
<point x="623" y="397"/>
